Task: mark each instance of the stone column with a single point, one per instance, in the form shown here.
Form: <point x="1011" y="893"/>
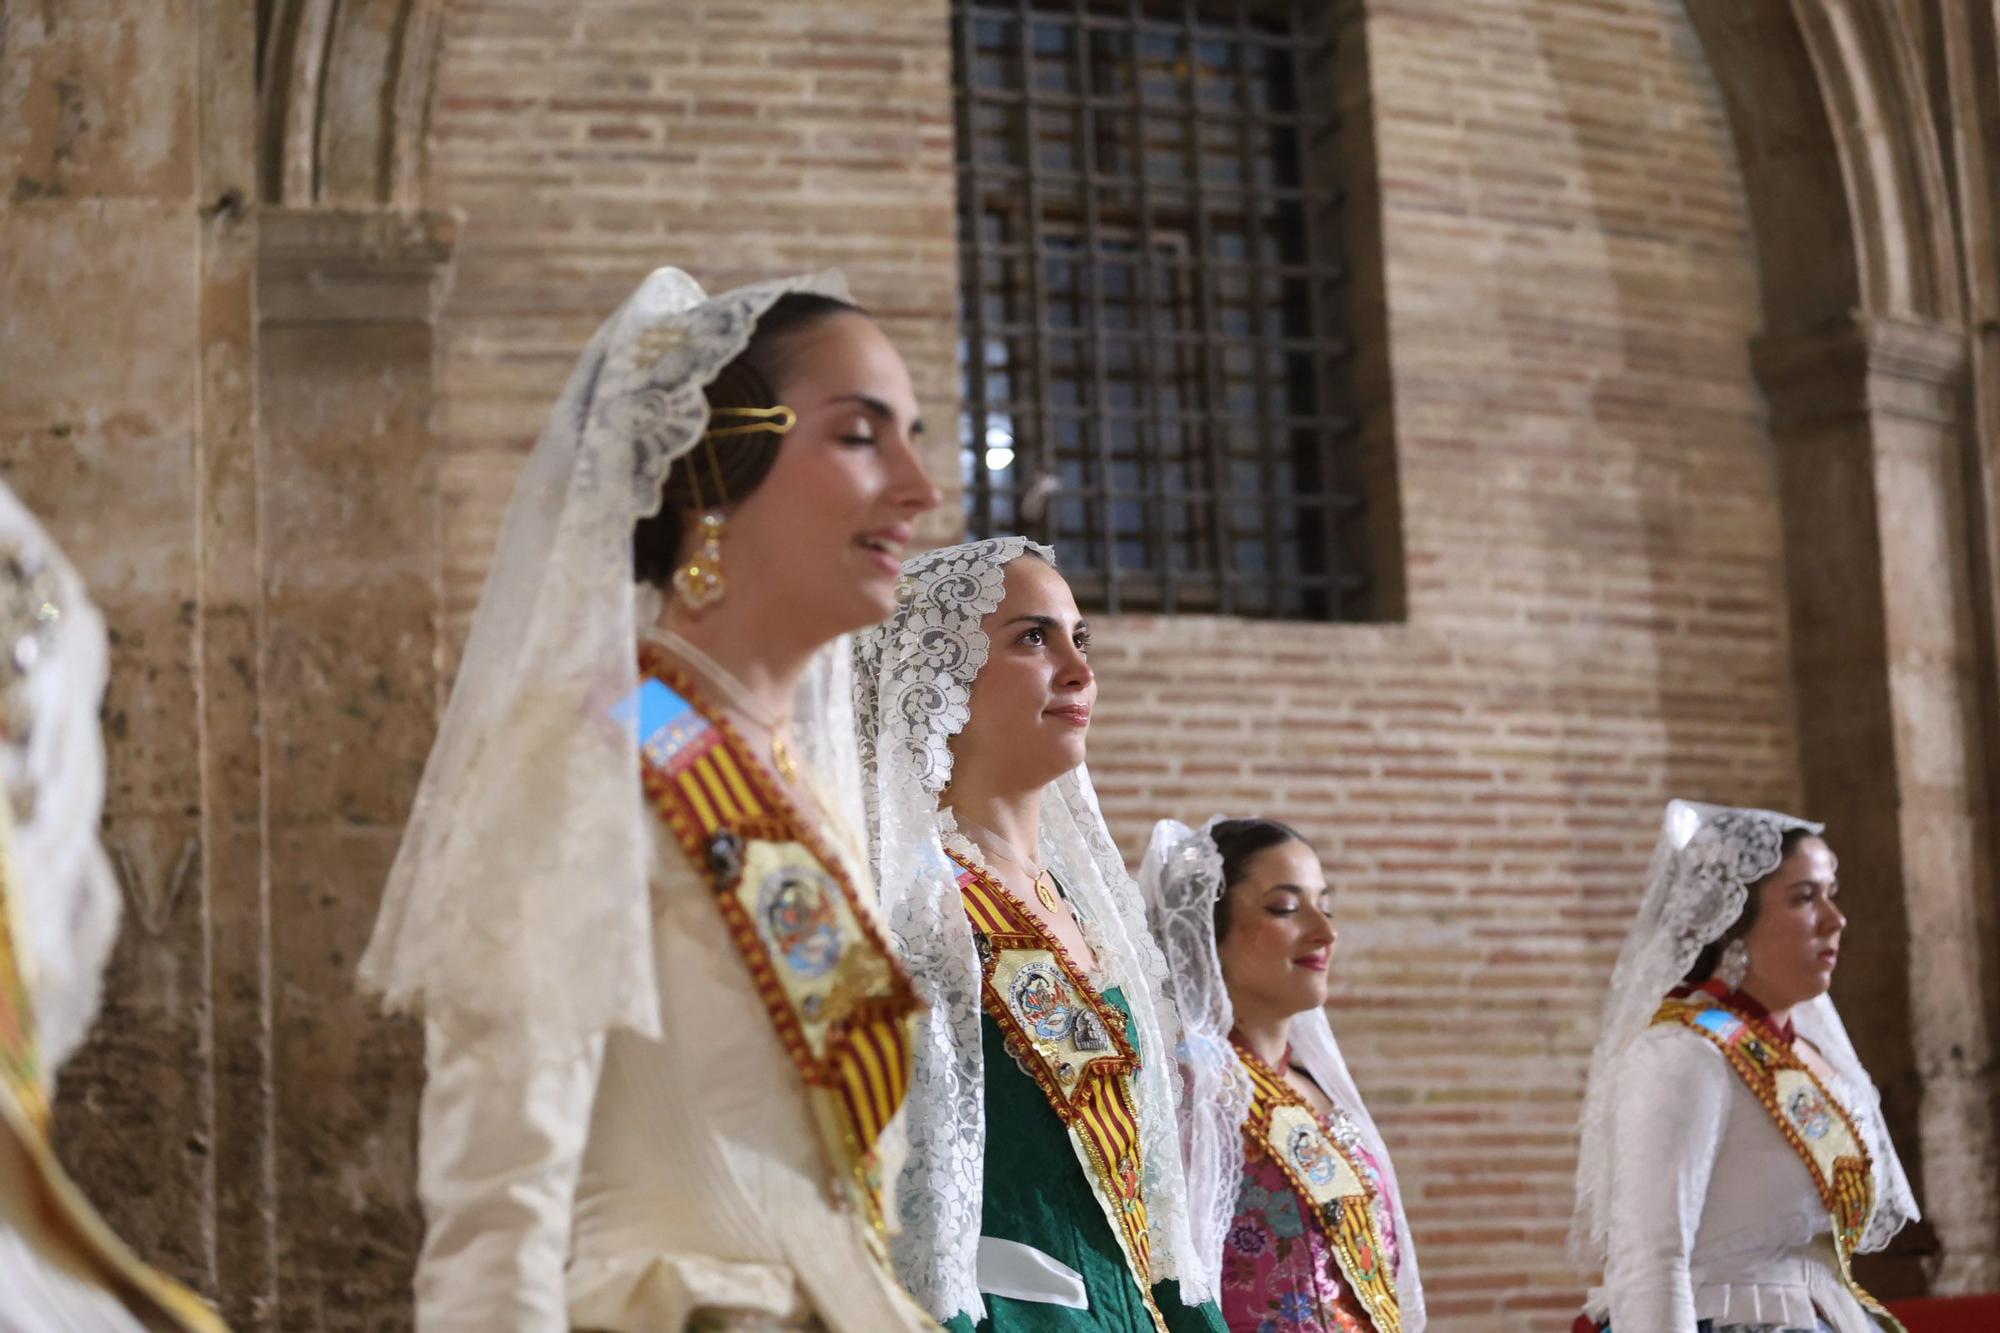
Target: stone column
<point x="352" y="601"/>
<point x="1871" y="423"/>
<point x="128" y="423"/>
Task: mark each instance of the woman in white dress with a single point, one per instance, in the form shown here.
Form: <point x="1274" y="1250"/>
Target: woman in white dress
<point x="667" y="1044"/>
<point x="60" y="1266"/>
<point x="1734" y="1155"/>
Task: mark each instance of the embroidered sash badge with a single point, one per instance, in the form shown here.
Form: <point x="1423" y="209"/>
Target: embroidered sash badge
<point x="1813" y="1122"/>
<point x="839" y="1000"/>
<point x="1072" y="1042"/>
<point x="1326" y="1172"/>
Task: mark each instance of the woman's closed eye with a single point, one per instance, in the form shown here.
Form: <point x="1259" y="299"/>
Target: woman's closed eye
<point x="1286" y="902"/>
<point x="861" y="430"/>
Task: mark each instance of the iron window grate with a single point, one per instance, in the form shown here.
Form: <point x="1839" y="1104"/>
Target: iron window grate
<point x="1151" y="295"/>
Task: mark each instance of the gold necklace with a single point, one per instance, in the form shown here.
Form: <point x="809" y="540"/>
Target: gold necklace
<point x="1036" y="874"/>
<point x="733" y="690"/>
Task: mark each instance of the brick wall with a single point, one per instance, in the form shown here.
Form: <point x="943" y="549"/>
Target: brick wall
<point x="1594" y="593"/>
<point x="1588" y="506"/>
<point x="589" y="143"/>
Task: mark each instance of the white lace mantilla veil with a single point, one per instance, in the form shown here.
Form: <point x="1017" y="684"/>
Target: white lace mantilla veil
<point x="1707" y="858"/>
<point x="53" y="662"/>
<point x="913" y="680"/>
<point x="1182" y="879"/>
<point x="520" y="894"/>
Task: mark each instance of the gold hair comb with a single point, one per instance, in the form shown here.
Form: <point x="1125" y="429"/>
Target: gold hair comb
<point x="778" y="420"/>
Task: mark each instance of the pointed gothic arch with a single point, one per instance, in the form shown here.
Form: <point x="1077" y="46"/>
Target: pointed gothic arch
<point x="1866" y="131"/>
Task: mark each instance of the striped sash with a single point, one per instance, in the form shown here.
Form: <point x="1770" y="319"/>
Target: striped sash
<point x="20" y="1053"/>
<point x="1814" y="1123"/>
<point x="839" y="1000"/>
<point x="153" y="1298"/>
<point x="1073" y="1043"/>
<point x="1328" y="1174"/>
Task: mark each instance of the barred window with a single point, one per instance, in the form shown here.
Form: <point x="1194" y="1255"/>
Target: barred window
<point x="1153" y="353"/>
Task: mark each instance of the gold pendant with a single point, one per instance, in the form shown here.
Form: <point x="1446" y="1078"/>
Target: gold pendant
<point x="1044" y="892"/>
<point x="781" y="757"/>
<point x="699" y="582"/>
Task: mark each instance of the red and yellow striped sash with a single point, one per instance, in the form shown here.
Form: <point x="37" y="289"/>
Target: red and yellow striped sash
<point x="1812" y="1120"/>
<point x="1330" y="1179"/>
<point x="838" y="998"/>
<point x="1074" y="1044"/>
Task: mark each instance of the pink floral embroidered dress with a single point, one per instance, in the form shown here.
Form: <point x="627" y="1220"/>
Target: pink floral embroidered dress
<point x="1279" y="1274"/>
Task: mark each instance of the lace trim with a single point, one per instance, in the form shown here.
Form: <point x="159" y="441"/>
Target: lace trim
<point x="521" y="891"/>
<point x="913" y="679"/>
<point x="966" y="852"/>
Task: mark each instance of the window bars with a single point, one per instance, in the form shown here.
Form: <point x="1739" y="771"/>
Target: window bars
<point x="1153" y="341"/>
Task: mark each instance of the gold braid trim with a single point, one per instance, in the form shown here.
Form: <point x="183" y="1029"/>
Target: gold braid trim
<point x="848" y="1026"/>
<point x="1280" y="1125"/>
<point x="1089" y="1087"/>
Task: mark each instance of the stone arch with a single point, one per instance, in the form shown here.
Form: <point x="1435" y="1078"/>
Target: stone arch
<point x="1865" y="133"/>
<point x="1830" y="106"/>
<point x="1870" y="74"/>
<point x="345" y="92"/>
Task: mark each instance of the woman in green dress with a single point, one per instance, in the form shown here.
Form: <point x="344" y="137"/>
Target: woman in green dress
<point x="1045" y="1188"/>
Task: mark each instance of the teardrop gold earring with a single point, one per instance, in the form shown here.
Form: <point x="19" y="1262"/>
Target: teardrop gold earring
<point x="700" y="583"/>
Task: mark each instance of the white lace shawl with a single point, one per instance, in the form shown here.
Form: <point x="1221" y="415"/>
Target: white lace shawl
<point x="913" y="679"/>
<point x="52" y="672"/>
<point x="519" y="895"/>
<point x="1181" y="879"/>
<point x="1707" y="858"/>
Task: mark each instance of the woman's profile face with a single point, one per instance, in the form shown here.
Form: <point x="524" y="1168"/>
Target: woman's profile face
<point x="1795" y="940"/>
<point x="1031" y="703"/>
<point x="827" y="528"/>
<point x="1279" y="943"/>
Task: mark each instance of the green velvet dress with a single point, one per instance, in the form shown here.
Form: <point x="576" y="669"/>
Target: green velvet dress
<point x="1037" y="1194"/>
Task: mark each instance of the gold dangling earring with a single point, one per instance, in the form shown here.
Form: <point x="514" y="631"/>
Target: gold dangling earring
<point x="699" y="582"/>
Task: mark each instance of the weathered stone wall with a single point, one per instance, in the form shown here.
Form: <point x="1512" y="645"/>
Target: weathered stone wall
<point x="350" y="570"/>
<point x="222" y="411"/>
<point x="1867" y="135"/>
<point x="125" y="421"/>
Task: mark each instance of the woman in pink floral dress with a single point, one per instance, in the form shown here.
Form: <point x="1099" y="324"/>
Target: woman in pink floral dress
<point x="1315" y="1240"/>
